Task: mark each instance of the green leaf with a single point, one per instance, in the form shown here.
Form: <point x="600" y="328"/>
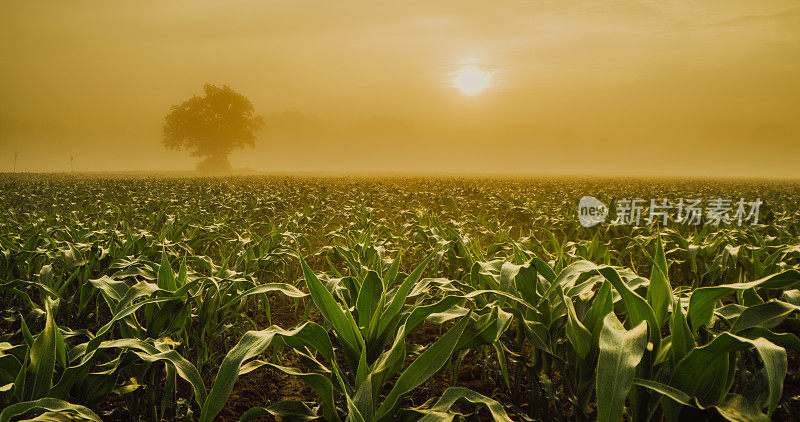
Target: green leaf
<point x="46" y="275"/>
<point x="150" y="353"/>
<point x="665" y="390"/>
<point x="71" y="374"/>
<point x="544" y="269"/>
<point x="766" y="315"/>
<point x="340" y="319"/>
<point x="166" y="278"/>
<point x="602" y="305"/>
<point x="182" y="274"/>
<point x="704" y="372"/>
<point x="353" y="414"/>
<point x="484" y="329"/>
<point x="526" y="281"/>
<point x="537" y="335"/>
<point x="441" y="410"/>
<point x="112" y="290"/>
<point x="420" y="313"/>
<point x="368" y="298"/>
<point x="286" y="289"/>
<point x="785" y="340"/>
<point x="428" y="363"/>
<point x="682" y="338"/>
<point x="399" y="298"/>
<point x="363" y="401"/>
<point x="320" y="383"/>
<point x="567" y="277"/>
<point x="49" y="405"/>
<point x="736" y="408"/>
<point x="252" y="344"/>
<point x="637" y="308"/>
<point x="390" y="275"/>
<point x="703" y="300"/>
<point x="659" y="292"/>
<point x="43" y="357"/>
<point x="287" y="410"/>
<point x="577" y="334"/>
<point x="620" y="353"/>
<point x="389" y="362"/>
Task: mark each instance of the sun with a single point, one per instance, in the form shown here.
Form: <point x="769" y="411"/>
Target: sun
<point x="471" y="80"/>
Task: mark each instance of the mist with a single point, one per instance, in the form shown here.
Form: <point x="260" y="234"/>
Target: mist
<point x="630" y="88"/>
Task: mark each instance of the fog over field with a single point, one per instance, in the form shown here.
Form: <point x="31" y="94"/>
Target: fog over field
<point x="573" y="87"/>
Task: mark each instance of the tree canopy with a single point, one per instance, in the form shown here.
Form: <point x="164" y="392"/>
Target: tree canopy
<point x="212" y="126"/>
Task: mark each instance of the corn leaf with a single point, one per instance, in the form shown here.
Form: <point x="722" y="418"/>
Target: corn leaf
<point x="659" y="292"/>
<point x="428" y="363"/>
<point x="252" y="344"/>
<point x="49" y="405"/>
<point x="43" y="357"/>
<point x="703" y="300"/>
<point x="340" y="319"/>
<point x="704" y="371"/>
<point x="620" y="353"/>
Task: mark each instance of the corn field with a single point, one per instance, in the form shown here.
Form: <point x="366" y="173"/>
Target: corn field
<point x="383" y="299"/>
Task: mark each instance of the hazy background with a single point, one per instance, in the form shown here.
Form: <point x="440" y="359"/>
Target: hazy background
<point x="706" y="88"/>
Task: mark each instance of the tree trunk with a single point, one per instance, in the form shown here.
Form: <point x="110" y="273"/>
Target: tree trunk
<point x="214" y="164"/>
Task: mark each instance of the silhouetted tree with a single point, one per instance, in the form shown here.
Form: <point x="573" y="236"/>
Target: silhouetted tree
<point x="212" y="126"/>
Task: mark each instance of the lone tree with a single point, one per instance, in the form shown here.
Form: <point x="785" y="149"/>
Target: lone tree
<point x="212" y="126"/>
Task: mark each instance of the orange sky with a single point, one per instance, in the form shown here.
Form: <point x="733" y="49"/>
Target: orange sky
<point x="678" y="88"/>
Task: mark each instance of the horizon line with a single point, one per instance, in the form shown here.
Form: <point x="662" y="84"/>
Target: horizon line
<point x="396" y="174"/>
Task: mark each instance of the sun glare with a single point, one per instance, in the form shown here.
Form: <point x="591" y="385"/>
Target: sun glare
<point x="471" y="80"/>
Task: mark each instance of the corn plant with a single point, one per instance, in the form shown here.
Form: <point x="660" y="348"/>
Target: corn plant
<point x="142" y="288"/>
<point x="379" y="315"/>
